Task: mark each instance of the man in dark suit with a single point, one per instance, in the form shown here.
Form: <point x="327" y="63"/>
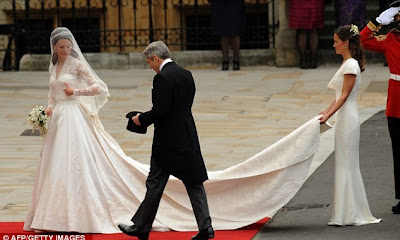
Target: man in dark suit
<point x="176" y="148"/>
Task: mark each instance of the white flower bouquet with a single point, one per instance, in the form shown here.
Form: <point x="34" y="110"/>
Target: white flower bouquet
<point x="37" y="118"/>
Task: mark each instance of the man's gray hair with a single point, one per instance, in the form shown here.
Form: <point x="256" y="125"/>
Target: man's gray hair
<point x="157" y="48"/>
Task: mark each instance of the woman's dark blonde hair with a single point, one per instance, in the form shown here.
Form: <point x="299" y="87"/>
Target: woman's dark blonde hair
<point x="356" y="51"/>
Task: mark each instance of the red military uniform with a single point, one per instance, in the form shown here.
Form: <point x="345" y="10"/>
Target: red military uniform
<point x="389" y="45"/>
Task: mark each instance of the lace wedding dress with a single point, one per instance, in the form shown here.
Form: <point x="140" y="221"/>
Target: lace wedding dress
<point x="350" y="204"/>
<point x="85" y="183"/>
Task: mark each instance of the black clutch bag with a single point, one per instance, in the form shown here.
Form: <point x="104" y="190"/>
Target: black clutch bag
<point x="131" y="126"/>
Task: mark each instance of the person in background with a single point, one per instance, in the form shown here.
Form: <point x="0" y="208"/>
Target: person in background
<point x="228" y="21"/>
<point x="306" y="17"/>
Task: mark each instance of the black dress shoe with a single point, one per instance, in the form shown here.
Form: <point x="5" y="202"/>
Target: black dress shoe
<point x="396" y="209"/>
<point x="204" y="234"/>
<point x="133" y="231"/>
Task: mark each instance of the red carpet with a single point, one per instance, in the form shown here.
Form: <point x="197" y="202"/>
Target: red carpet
<point x="13" y="230"/>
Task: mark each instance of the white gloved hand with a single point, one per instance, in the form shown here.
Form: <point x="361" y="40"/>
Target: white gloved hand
<point x="387" y="16"/>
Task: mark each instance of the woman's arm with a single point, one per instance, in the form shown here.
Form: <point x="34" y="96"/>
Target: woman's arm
<point x="92" y="89"/>
<point x="348" y="84"/>
<point x="50" y="104"/>
<point x="328" y="108"/>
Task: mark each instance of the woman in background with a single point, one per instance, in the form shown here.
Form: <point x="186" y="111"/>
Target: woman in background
<point x="306" y="17"/>
<point x="228" y="21"/>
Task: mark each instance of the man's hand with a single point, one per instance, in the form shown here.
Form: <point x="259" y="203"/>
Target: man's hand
<point x="135" y="119"/>
<point x="387" y="16"/>
<point x="68" y="90"/>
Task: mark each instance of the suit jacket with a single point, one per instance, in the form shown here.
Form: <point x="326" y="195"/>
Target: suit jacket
<point x="176" y="145"/>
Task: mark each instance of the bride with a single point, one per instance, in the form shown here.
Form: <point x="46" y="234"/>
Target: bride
<point x="85" y="183"/>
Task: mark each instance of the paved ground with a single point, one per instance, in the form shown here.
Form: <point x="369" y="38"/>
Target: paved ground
<point x="238" y="113"/>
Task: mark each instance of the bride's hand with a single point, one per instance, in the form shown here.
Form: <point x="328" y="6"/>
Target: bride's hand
<point x="68" y="90"/>
<point x="48" y="111"/>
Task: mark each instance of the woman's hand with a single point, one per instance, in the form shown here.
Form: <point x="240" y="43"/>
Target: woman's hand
<point x="68" y="90"/>
<point x="324" y="118"/>
<point x="49" y="111"/>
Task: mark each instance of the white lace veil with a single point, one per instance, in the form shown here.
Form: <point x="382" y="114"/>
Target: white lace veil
<point x="92" y="104"/>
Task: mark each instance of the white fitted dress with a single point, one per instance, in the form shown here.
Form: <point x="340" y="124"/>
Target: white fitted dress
<point x="350" y="204"/>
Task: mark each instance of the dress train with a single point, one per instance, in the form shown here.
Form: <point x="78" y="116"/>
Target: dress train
<point x="91" y="186"/>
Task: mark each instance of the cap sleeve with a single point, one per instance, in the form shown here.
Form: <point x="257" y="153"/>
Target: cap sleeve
<point x="351" y="67"/>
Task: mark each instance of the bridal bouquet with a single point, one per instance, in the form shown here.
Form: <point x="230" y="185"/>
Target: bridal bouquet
<point x="37" y="118"/>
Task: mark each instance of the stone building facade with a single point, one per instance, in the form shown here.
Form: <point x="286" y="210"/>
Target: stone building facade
<point x="120" y="29"/>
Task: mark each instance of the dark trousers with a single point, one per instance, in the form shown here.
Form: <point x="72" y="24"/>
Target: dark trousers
<point x="155" y="184"/>
<point x="394" y="131"/>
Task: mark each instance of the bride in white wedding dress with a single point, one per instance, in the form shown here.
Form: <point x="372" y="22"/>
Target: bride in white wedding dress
<point x="350" y="204"/>
<point x="85" y="183"/>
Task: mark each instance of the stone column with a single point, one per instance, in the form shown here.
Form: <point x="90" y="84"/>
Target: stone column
<point x="286" y="50"/>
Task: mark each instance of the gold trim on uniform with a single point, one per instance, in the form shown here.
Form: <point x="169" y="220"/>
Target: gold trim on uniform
<point x="373" y="27"/>
<point x="381" y="37"/>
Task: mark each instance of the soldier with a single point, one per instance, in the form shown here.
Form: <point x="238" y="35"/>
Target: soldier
<point x="389" y="45"/>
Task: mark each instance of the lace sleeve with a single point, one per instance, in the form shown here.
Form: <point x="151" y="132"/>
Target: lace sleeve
<point x="51" y="99"/>
<point x="93" y="89"/>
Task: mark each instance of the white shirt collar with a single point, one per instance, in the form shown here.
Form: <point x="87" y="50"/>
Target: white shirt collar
<point x="165" y="62"/>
